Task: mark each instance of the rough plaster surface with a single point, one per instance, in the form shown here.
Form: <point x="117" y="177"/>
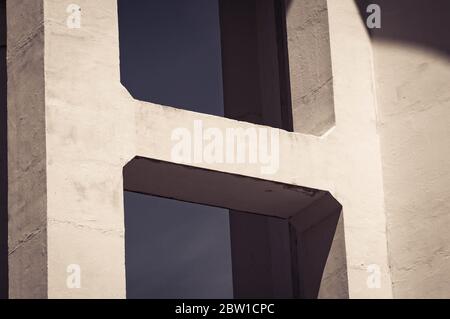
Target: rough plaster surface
<point x="415" y="134"/>
<point x="310" y="69"/>
<point x="412" y="69"/>
<point x="93" y="128"/>
<point x="27" y="191"/>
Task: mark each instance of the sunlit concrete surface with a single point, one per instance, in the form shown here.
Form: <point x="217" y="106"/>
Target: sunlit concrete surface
<point x="72" y="128"/>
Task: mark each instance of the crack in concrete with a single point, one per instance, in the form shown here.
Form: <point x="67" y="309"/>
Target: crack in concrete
<point x="103" y="231"/>
<point x="28" y="237"/>
<point x="22" y="43"/>
<point x="314" y="18"/>
<point x="317" y="89"/>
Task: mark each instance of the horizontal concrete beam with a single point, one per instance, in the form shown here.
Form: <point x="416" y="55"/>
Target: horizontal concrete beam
<point x="216" y="188"/>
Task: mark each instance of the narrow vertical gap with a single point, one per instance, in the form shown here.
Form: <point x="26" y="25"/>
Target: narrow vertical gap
<point x="283" y="58"/>
<point x="256" y="89"/>
<point x="3" y="158"/>
<point x="255" y="62"/>
<point x="250" y="255"/>
<point x="262" y="256"/>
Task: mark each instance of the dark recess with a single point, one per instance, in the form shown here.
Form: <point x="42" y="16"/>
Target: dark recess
<point x="255" y="62"/>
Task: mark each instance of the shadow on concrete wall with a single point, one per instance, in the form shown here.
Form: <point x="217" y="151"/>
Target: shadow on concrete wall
<point x="415" y="22"/>
<point x="3" y="159"/>
<point x="421" y="23"/>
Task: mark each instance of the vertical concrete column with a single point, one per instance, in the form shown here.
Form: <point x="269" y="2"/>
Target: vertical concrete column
<point x="27" y="170"/>
<point x="70" y="134"/>
<point x="3" y="158"/>
<point x="333" y="89"/>
<point x="310" y="68"/>
<point x="90" y="137"/>
<point x="359" y="186"/>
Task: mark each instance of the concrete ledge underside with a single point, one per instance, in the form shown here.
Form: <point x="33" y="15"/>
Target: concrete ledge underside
<point x="217" y="189"/>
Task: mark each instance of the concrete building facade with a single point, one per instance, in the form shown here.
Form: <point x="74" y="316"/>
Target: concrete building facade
<point x="363" y="180"/>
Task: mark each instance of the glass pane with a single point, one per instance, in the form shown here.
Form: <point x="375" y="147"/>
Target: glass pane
<point x="176" y="249"/>
<point x="170" y="53"/>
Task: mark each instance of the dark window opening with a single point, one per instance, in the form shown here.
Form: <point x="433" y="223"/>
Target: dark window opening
<point x="170" y="53"/>
<point x="255" y="62"/>
<point x="176" y="249"/>
<point x="222" y="57"/>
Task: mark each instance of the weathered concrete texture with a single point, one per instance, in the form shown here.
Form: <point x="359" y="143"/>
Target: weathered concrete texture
<point x="412" y="69"/>
<point x="311" y="75"/>
<point x="90" y="137"/>
<point x="358" y="175"/>
<point x="93" y="128"/>
<point x="3" y="158"/>
<point x="27" y="193"/>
